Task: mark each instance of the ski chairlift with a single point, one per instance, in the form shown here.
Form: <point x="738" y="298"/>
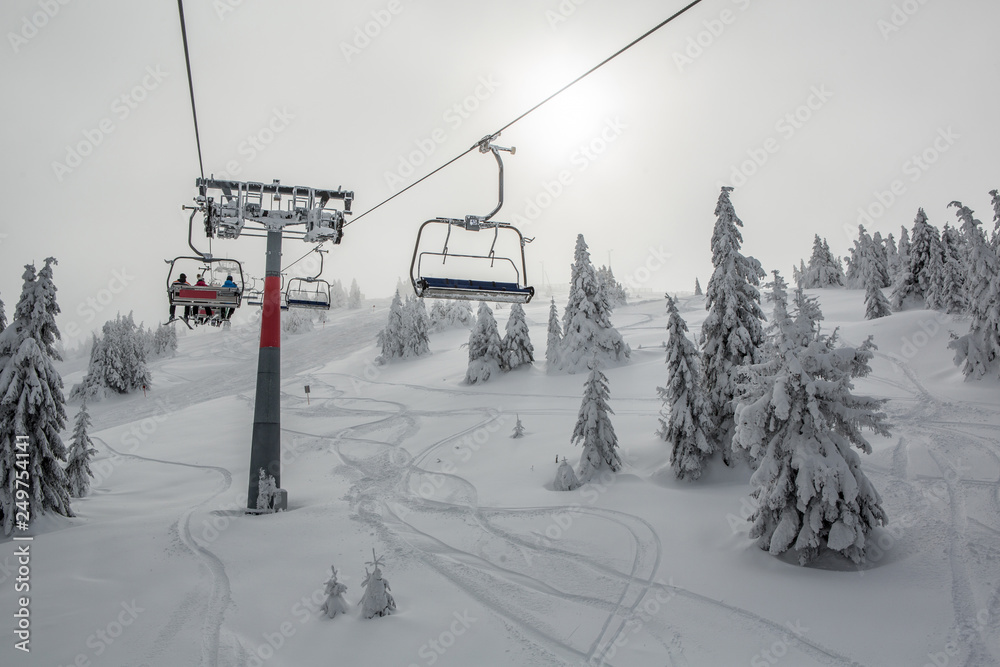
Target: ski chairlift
<point x="272" y="205"/>
<point x="310" y="292"/>
<point x="510" y="284"/>
<point x="254" y="295"/>
<point x="215" y="269"/>
<point x="213" y="295"/>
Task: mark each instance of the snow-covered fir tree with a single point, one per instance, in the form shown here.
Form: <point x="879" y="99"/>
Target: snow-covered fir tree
<point x="377" y="599"/>
<point x="947" y="286"/>
<point x="554" y="339"/>
<point x="518" y="429"/>
<point x="31" y="403"/>
<point x="338" y="296"/>
<point x="485" y="347"/>
<point x="915" y="279"/>
<point x="439" y="315"/>
<point x="978" y="351"/>
<point x="995" y="194"/>
<point x="296" y="321"/>
<point x="587" y="329"/>
<point x="697" y="288"/>
<point x="876" y="304"/>
<point x="354" y="297"/>
<point x="613" y="292"/>
<point x="684" y="418"/>
<point x="117" y="361"/>
<point x="902" y="254"/>
<point x="799" y="418"/>
<point x="593" y="428"/>
<point x="460" y="314"/>
<point x="81" y="449"/>
<point x="566" y="479"/>
<point x="517" y="347"/>
<point x="824" y="269"/>
<point x="852" y="276"/>
<point x="891" y="255"/>
<point x="416" y="325"/>
<point x="390" y="339"/>
<point x="164" y="341"/>
<point x="881" y="255"/>
<point x="799" y="273"/>
<point x="3" y="317"/>
<point x="334" y="591"/>
<point x="733" y="333"/>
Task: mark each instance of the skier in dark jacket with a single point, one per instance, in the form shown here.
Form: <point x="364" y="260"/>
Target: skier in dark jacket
<point x="181" y="280"/>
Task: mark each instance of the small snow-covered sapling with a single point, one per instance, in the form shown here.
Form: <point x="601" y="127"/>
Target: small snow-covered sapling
<point x="335" y="602"/>
<point x="377" y="600"/>
<point x="266" y="490"/>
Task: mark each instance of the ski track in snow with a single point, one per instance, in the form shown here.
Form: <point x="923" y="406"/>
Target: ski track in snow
<point x="950" y="441"/>
<point x="219" y="598"/>
<point x="382" y="493"/>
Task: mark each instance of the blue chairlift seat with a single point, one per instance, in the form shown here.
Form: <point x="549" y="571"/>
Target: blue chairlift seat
<point x="474" y="290"/>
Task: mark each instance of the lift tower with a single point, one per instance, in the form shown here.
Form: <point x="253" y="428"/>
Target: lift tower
<point x="270" y="210"/>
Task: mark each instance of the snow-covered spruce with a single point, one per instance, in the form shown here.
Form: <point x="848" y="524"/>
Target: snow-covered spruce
<point x="948" y="293"/>
<point x="902" y="254"/>
<point x="296" y="321"/>
<point x="416" y="325"/>
<point x="3" y="317"/>
<point x="163" y="342"/>
<point x="334" y="590"/>
<point x="683" y="419"/>
<point x="338" y="295"/>
<point x="81" y="449"/>
<point x="390" y="339"/>
<point x="697" y="288"/>
<point x="355" y="297"/>
<point x="613" y="292"/>
<point x="799" y="418"/>
<point x="978" y="351"/>
<point x="565" y="477"/>
<point x="377" y="599"/>
<point x="117" y="361"/>
<point x="913" y="284"/>
<point x="732" y="333"/>
<point x="485" y="347"/>
<point x="874" y="273"/>
<point x="32" y="402"/>
<point x="593" y="428"/>
<point x="516" y="344"/>
<point x="587" y="330"/>
<point x="824" y="269"/>
<point x="554" y="339"/>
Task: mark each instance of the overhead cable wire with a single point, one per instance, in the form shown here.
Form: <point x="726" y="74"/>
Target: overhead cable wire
<point x="187" y="61"/>
<point x="590" y="71"/>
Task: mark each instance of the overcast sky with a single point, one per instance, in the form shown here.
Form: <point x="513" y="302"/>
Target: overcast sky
<point x="814" y="109"/>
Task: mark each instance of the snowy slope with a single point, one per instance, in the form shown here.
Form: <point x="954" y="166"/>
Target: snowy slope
<point x="488" y="565"/>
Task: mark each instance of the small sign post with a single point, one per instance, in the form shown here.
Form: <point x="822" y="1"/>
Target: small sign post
<point x="307" y="394"/>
